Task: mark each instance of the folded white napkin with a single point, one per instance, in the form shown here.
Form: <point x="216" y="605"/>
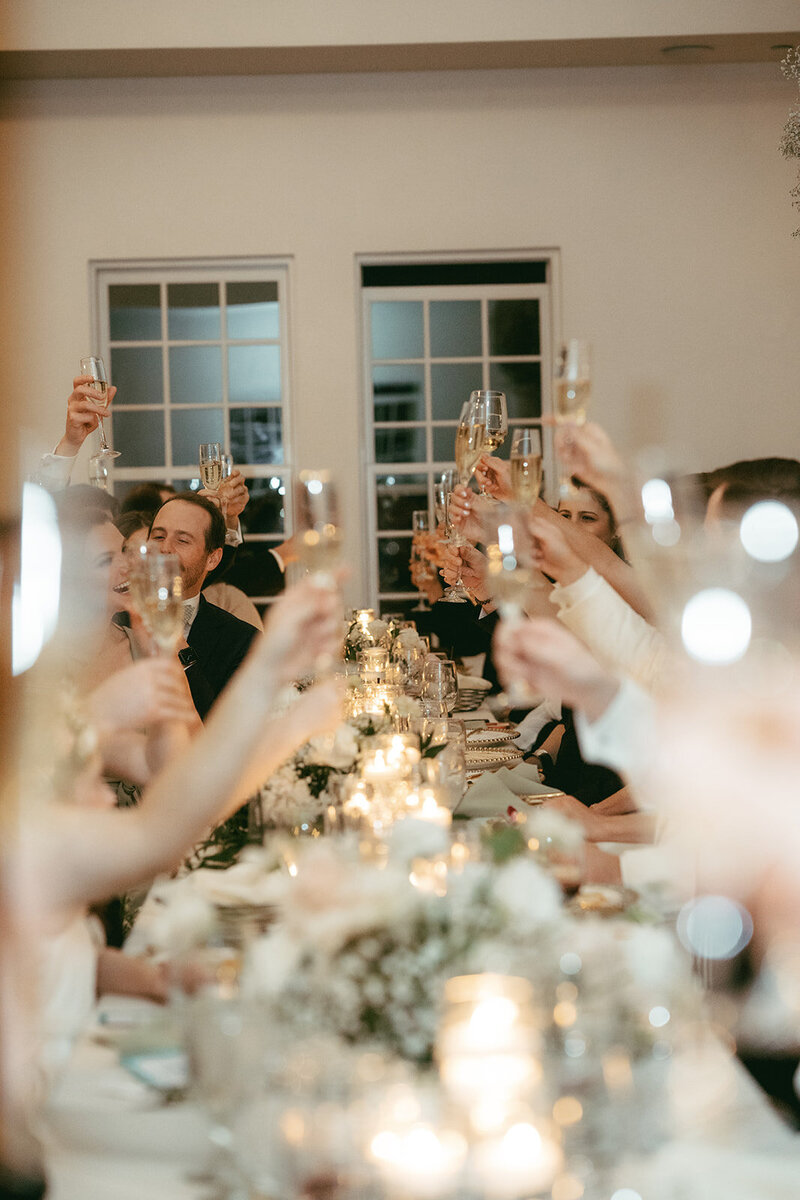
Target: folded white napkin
<point x="474" y="681"/>
<point x="491" y="795"/>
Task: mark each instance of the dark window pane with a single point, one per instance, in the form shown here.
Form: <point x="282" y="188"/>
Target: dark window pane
<point x="396" y="328"/>
<point x="193" y="311"/>
<point x="455" y="328"/>
<point x="256" y="435"/>
<point x="522" y="384"/>
<point x="195" y="374"/>
<point x="433" y="274"/>
<point x="444" y="443"/>
<point x="265" y="508"/>
<point x="254" y="374"/>
<point x="253" y="310"/>
<point x="139" y="436"/>
<point x="134" y="312"/>
<point x="451" y="384"/>
<point x="138" y="375"/>
<point x="514" y="327"/>
<point x="190" y="427"/>
<point x="400" y="445"/>
<point x="394" y="574"/>
<point x="399" y="393"/>
<point x="398" y="496"/>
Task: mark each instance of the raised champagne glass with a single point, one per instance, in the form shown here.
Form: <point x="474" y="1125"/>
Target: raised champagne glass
<point x="572" y="384"/>
<point x="156" y="589"/>
<point x="317" y="528"/>
<point x="494" y="412"/>
<point x="526" y="466"/>
<point x="470" y="438"/>
<point x="211" y="465"/>
<point x="510" y="576"/>
<point x="93" y="365"/>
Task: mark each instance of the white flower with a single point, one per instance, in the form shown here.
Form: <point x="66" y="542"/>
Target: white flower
<point x="408" y="638"/>
<point x="411" y="838"/>
<point x="407" y="706"/>
<point x="272" y="962"/>
<point x="378" y="629"/>
<point x="338" y="750"/>
<point x="173" y="919"/>
<point x="531" y="897"/>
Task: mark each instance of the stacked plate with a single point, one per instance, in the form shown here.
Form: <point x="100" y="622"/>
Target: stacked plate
<point x="472" y="692"/>
<point x="490" y="747"/>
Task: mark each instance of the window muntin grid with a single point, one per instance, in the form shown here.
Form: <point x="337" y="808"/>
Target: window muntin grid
<point x="200" y="353"/>
<point x="415" y="382"/>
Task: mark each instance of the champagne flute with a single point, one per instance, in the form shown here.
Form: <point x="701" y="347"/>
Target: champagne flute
<point x="572" y="383"/>
<point x="93" y="365"/>
<point x="442" y="487"/>
<point x="510" y="577"/>
<point x="210" y="456"/>
<point x="526" y="466"/>
<point x="494" y="412"/>
<point x="227" y="466"/>
<point x="420" y="565"/>
<point x="318" y="532"/>
<point x="156" y="589"/>
<point x="470" y="438"/>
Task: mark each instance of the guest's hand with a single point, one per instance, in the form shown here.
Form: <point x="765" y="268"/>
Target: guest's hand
<point x="146" y="693"/>
<point x="467" y="511"/>
<point x="234" y="495"/>
<point x="469" y="563"/>
<point x="551" y="551"/>
<point x="570" y="807"/>
<point x="588" y="452"/>
<point x="544" y="655"/>
<point x="83" y="414"/>
<point x="494" y="476"/>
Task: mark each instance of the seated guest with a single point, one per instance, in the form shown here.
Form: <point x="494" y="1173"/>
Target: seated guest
<point x="214" y="643"/>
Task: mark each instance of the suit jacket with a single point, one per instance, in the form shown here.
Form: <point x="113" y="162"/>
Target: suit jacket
<point x="218" y="644"/>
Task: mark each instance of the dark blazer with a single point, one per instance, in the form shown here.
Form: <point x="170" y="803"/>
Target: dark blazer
<point x="218" y="643"/>
<point x="255" y="570"/>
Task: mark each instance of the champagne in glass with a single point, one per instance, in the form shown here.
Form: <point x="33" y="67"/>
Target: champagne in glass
<point x="210" y="456"/>
<point x="526" y="466"/>
<point x="156" y="589"/>
<point x="470" y="442"/>
<point x="319" y="534"/>
<point x="495" y="418"/>
<point x="510" y="576"/>
<point x="572" y="385"/>
<point x="470" y="438"/>
<point x="93" y="365"/>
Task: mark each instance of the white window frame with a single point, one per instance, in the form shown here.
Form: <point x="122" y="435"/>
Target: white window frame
<point x="545" y="293"/>
<point x="162" y="272"/>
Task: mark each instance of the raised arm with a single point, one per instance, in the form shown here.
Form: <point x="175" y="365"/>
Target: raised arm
<point x="83" y="855"/>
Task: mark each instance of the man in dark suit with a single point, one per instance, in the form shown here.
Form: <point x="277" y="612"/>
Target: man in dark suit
<point x="214" y="642"/>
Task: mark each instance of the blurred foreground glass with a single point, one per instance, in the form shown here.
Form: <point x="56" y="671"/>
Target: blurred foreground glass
<point x="93" y="365"/>
<point x="317" y="529"/>
<point x="510" y="578"/>
<point x="156" y="588"/>
<point x="572" y="385"/>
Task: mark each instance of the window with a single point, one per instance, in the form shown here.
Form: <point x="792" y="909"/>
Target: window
<point x="432" y="333"/>
<point x="199" y="354"/>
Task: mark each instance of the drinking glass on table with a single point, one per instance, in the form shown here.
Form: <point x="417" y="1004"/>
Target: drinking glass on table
<point x="526" y="466"/>
<point x="572" y="385"/>
<point x="93" y="365"/>
<point x="439" y="687"/>
<point x="317" y="529"/>
<point x="210" y="457"/>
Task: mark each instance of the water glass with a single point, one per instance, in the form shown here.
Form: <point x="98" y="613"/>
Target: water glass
<point x="439" y="687"/>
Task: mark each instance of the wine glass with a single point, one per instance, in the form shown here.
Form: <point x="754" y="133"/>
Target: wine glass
<point x="442" y="488"/>
<point x="572" y="382"/>
<point x="494" y="413"/>
<point x="210" y="456"/>
<point x="526" y="466"/>
<point x="93" y="365"/>
<point x="156" y="589"/>
<point x="439" y="687"/>
<point x="509" y="574"/>
<point x="318" y="532"/>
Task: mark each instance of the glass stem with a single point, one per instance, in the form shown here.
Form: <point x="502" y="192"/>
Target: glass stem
<point x="103" y="442"/>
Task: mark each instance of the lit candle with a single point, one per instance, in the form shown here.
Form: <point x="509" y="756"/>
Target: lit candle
<point x="418" y="1161"/>
<point x="523" y="1162"/>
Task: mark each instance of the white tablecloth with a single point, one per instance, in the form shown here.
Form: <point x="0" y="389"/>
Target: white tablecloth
<point x="107" y="1137"/>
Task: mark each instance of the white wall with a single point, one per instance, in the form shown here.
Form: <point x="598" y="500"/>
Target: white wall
<point x="663" y="189"/>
